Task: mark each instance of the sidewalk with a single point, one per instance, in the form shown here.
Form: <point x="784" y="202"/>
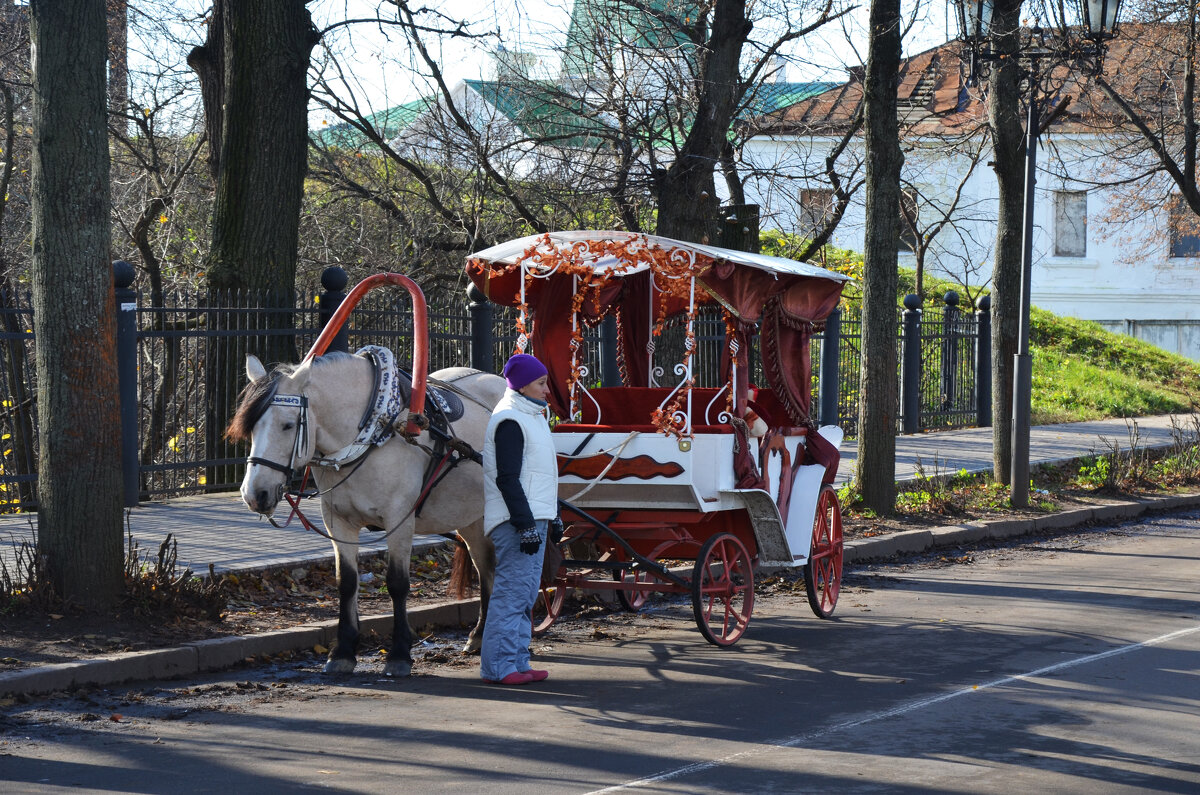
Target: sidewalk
<point x="219" y="529"/>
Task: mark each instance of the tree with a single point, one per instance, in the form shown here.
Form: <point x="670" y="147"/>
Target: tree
<point x="630" y="132"/>
<point x="253" y="70"/>
<point x="1008" y="156"/>
<point x="1148" y="137"/>
<point x="79" y="476"/>
<point x="875" y="466"/>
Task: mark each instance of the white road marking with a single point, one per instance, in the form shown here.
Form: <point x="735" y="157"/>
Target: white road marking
<point x="903" y="709"/>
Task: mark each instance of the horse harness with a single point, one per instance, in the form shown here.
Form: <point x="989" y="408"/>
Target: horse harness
<point x="387" y="408"/>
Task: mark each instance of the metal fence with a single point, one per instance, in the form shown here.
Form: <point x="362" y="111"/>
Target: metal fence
<point x="200" y="339"/>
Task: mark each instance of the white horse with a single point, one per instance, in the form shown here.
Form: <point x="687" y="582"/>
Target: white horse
<point x="297" y="413"/>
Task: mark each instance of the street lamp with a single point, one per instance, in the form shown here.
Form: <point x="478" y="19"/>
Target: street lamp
<point x="1076" y="36"/>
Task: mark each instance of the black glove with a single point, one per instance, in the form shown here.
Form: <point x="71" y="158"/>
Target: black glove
<point x="554" y="531"/>
<point x="531" y="542"/>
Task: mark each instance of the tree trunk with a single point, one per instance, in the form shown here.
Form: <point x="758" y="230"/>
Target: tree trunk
<point x="79" y="472"/>
<point x="687" y="200"/>
<point x="262" y="159"/>
<point x="118" y="55"/>
<point x="263" y="144"/>
<point x="208" y="62"/>
<point x="1004" y="110"/>
<point x="876" y="463"/>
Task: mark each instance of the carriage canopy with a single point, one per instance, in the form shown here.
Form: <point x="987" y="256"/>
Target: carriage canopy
<point x="561" y="280"/>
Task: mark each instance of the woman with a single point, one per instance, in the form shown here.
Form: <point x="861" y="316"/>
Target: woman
<point x="521" y="497"/>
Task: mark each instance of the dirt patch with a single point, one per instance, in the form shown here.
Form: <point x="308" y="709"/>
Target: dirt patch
<point x="256" y="602"/>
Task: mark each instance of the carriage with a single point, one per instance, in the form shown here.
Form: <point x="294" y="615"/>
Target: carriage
<point x="686" y="476"/>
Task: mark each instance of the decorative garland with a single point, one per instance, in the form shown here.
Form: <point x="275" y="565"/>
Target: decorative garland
<point x="678" y="268"/>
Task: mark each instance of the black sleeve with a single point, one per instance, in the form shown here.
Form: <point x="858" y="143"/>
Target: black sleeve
<point x="510" y="451"/>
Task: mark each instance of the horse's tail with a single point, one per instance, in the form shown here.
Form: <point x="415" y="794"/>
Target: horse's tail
<point x="462" y="571"/>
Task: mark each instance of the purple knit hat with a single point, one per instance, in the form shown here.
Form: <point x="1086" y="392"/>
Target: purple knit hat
<point x="521" y="370"/>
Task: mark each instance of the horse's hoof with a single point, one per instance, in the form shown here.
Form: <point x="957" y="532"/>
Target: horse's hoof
<point x="339" y="665"/>
<point x="397" y="668"/>
<point x="473" y="646"/>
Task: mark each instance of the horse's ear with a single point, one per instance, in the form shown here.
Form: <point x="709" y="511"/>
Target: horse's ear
<point x="254" y="368"/>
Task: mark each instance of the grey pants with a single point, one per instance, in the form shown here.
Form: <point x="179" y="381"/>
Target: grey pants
<point x="507" y="633"/>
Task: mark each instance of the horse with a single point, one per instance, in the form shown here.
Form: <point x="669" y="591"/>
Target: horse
<point x="295" y="414"/>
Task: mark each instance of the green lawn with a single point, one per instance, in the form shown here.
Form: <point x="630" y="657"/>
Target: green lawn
<point x="1083" y="372"/>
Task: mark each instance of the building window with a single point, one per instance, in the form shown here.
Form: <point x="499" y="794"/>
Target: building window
<point x="816" y="207"/>
<point x="907" y="224"/>
<point x="1070" y="223"/>
<point x="1184" y="228"/>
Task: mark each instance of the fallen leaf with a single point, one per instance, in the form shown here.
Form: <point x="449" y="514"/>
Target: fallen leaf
<point x="116" y="717"/>
<point x="319" y="649"/>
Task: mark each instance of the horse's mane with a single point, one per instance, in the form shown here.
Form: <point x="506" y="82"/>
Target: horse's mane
<point x="256" y="397"/>
<point x="253" y="402"/>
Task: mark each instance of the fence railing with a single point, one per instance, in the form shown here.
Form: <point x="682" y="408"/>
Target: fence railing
<point x="182" y="363"/>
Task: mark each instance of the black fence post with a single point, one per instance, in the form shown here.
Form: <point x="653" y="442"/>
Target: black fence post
<point x="828" y="382"/>
<point x="334" y="280"/>
<point x="950" y="336"/>
<point x="910" y="381"/>
<point x="983" y="363"/>
<point x="127" y="386"/>
<point x="610" y="371"/>
<point x="482" y="345"/>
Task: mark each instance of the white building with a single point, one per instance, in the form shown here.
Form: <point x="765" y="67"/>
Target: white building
<point x="1098" y="255"/>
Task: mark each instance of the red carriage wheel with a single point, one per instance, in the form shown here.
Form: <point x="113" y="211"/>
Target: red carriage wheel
<point x="632" y="601"/>
<point x="723" y="589"/>
<point x="547" y="608"/>
<point x="823" y="572"/>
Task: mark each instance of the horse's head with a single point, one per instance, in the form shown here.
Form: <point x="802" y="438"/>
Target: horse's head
<point x="273" y="415"/>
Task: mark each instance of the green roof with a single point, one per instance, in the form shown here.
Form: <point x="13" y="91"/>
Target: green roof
<point x="619" y="21"/>
<point x="388" y="123"/>
<point x="770" y="97"/>
<point x="542" y="110"/>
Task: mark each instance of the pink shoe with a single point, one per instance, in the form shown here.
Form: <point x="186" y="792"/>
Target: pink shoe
<point x="536" y="675"/>
<point x="515" y="678"/>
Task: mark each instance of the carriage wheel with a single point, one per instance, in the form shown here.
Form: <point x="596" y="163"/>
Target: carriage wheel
<point x="632" y="601"/>
<point x="547" y="608"/>
<point x="723" y="589"/>
<point x="823" y="572"/>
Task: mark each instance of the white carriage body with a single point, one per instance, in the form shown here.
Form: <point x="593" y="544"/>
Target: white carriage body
<point x="704" y="483"/>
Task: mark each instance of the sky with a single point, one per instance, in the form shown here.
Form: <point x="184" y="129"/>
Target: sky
<point x="379" y="64"/>
<point x="378" y="59"/>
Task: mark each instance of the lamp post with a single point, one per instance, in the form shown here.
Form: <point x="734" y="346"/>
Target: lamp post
<point x="1075" y="36"/>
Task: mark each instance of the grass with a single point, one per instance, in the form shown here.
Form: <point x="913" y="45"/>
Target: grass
<point x="1083" y="372"/>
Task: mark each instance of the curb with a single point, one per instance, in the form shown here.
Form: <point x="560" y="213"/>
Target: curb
<point x="214" y="654"/>
<point x="887" y="546"/>
<point x="219" y="653"/>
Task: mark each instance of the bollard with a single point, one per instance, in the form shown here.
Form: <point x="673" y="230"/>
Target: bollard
<point x="828" y="381"/>
<point x="482" y="344"/>
<point x="950" y="336"/>
<point x="126" y="300"/>
<point x="334" y="280"/>
<point x="910" y="381"/>
<point x="983" y="363"/>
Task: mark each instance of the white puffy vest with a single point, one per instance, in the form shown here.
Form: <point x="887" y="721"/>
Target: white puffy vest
<point x="539" y="466"/>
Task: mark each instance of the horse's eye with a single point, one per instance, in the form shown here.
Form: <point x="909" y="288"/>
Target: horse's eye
<point x="287" y="426"/>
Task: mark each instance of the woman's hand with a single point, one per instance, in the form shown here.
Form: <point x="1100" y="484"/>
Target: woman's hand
<point x="531" y="542"/>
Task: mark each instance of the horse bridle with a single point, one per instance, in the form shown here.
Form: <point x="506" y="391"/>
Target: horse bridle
<point x="297" y="402"/>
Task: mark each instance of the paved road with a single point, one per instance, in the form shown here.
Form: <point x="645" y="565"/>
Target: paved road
<point x="1072" y="667"/>
<point x="218" y="529"/>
